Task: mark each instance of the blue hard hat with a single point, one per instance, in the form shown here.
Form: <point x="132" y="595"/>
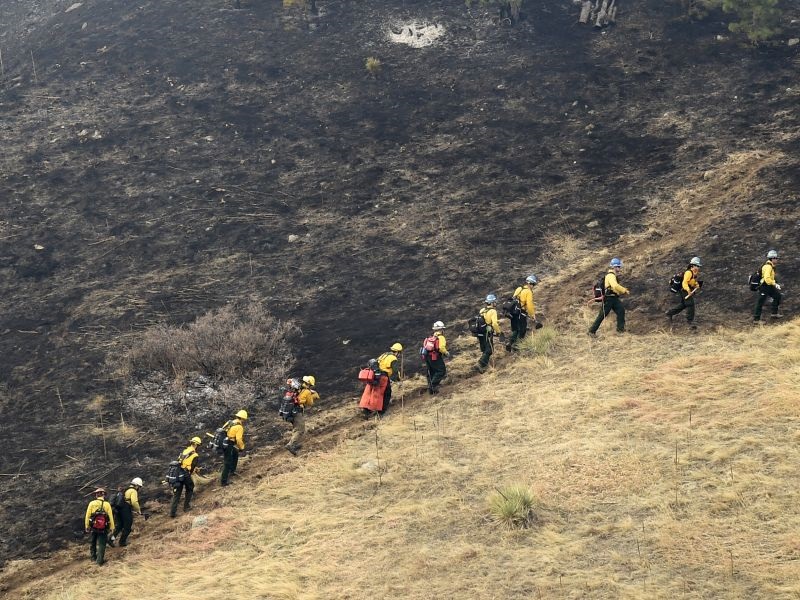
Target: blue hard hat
<point x="531" y="279"/>
<point x="491" y="299"/>
<point x="615" y="262"/>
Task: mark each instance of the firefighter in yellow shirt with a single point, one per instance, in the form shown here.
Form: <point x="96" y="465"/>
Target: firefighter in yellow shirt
<point x="305" y="399"/>
<point x="486" y="334"/>
<point x="235" y="445"/>
<point x="521" y="310"/>
<point x="387" y="363"/>
<point x="612" y="291"/>
<point x="189" y="460"/>
<point x="434" y="349"/>
<point x="690" y="286"/>
<point x="99" y="522"/>
<point x="769" y="287"/>
<point x="126" y="510"/>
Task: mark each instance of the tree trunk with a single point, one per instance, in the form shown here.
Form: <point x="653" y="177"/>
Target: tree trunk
<point x="586" y="9"/>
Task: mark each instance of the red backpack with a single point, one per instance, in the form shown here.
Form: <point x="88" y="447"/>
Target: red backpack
<point x="99" y="520"/>
<point x="430" y="347"/>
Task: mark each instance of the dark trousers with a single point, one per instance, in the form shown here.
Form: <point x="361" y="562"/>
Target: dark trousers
<point x="186" y="485"/>
<point x="230" y="460"/>
<point x="97" y="549"/>
<point x="387" y="397"/>
<point x="519" y="327"/>
<point x="486" y="342"/>
<point x="684" y="303"/>
<point x="437" y="371"/>
<point x="763" y="292"/>
<point x="124" y="524"/>
<point x="610" y="303"/>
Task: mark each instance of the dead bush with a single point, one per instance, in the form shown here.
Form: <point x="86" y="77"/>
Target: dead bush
<point x="229" y="343"/>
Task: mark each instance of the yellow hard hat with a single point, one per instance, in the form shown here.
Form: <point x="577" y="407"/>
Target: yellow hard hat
<point x="309" y="379"/>
<point x="195" y="440"/>
<point x="242" y="414"/>
<point x="396" y="347"/>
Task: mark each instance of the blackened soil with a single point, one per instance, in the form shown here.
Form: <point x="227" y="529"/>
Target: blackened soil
<point x="158" y="154"/>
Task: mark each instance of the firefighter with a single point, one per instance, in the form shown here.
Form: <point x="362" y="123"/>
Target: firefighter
<point x="305" y="399"/>
<point x="689" y="287"/>
<point x="769" y="286"/>
<point x="188" y="460"/>
<point x="129" y="505"/>
<point x="387" y="363"/>
<point x="486" y="334"/>
<point x="235" y="445"/>
<point x="612" y="290"/>
<point x="521" y="310"/>
<point x="99" y="521"/>
<point x="434" y="349"/>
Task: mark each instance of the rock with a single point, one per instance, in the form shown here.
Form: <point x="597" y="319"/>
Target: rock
<point x="293" y="238"/>
<point x="38" y="247"/>
<point x="84" y="26"/>
<point x="369" y="467"/>
<point x="74" y="7"/>
<point x="793" y="42"/>
<point x="593" y="224"/>
<point x="199" y="521"/>
<point x="708" y="175"/>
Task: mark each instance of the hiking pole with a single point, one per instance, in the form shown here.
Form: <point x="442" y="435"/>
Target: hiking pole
<point x="402" y="387"/>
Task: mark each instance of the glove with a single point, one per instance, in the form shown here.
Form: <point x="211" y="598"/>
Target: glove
<point x="502" y="337"/>
<point x="778" y="287"/>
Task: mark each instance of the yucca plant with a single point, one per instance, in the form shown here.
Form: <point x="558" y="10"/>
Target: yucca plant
<point x="512" y="507"/>
<point x="538" y="342"/>
<point x="373" y="65"/>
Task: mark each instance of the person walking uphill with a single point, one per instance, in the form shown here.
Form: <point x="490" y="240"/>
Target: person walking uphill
<point x="126" y="509"/>
<point x="235" y="432"/>
<point x="769" y="286"/>
<point x="612" y="290"/>
<point x="484" y="327"/>
<point x="522" y="308"/>
<point x="99" y="521"/>
<point x="434" y="349"/>
<point x="305" y="399"/>
<point x="188" y="460"/>
<point x="690" y="286"/>
<point x="387" y="363"/>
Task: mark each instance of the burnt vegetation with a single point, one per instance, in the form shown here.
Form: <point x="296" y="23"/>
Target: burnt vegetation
<point x="165" y="159"/>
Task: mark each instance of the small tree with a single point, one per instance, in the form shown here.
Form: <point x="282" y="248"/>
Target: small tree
<point x="508" y="9"/>
<point x="758" y="19"/>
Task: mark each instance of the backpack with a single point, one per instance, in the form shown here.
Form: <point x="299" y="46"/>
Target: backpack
<point x="477" y="325"/>
<point x="118" y="499"/>
<point x="755" y="281"/>
<point x="289" y="407"/>
<point x="220" y="439"/>
<point x="676" y="283"/>
<point x="175" y="474"/>
<point x="430" y="348"/>
<point x="599" y="289"/>
<point x="99" y="520"/>
<point x="511" y="307"/>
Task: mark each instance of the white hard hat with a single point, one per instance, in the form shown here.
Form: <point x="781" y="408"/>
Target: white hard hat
<point x="137" y="481"/>
<point x="438" y="325"/>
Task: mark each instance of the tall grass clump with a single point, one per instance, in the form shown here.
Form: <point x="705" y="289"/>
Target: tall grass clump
<point x="538" y="342"/>
<point x="512" y="507"/>
<point x="373" y="66"/>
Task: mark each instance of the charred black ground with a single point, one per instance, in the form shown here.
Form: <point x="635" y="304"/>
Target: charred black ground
<point x="158" y="154"/>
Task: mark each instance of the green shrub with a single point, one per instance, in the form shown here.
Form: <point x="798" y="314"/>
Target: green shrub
<point x="538" y="342"/>
<point x="512" y="507"/>
<point x="373" y="65"/>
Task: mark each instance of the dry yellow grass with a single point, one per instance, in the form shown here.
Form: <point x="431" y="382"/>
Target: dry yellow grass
<point x="662" y="466"/>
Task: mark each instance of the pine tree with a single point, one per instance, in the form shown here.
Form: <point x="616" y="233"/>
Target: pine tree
<point x="758" y="19"/>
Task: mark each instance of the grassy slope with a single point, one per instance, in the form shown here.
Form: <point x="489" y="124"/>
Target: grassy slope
<point x="663" y="465"/>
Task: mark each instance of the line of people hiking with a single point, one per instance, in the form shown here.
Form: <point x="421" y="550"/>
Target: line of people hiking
<point x="112" y="521"/>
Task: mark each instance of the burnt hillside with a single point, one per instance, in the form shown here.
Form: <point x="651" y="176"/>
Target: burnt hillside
<point x="157" y="155"/>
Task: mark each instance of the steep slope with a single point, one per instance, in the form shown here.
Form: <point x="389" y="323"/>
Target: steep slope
<point x="662" y="467"/>
<point x="157" y="156"/>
